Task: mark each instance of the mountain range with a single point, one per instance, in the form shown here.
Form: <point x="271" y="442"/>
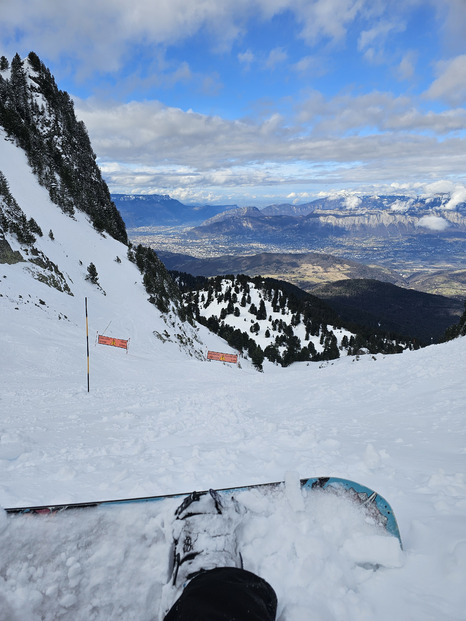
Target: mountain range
<point x="421" y="240"/>
<point x="52" y="194"/>
<point x="381" y="216"/>
<point x="395" y="214"/>
<point x="58" y="246"/>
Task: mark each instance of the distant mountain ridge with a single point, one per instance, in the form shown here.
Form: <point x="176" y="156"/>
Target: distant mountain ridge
<point x="401" y="232"/>
<point x="396" y="214"/>
<point x="379" y="216"/>
<point x="142" y="210"/>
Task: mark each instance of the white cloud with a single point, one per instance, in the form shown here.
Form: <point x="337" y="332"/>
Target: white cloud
<point x="455" y="191"/>
<point x="275" y="57"/>
<point x="246" y="58"/>
<point x="433" y="223"/>
<point x="372" y="41"/>
<point x="457" y="196"/>
<point x="450" y="84"/>
<point x="352" y="202"/>
<point x="312" y="66"/>
<point x="299" y="197"/>
<point x="147" y="144"/>
<point x="401" y="206"/>
<point x="440" y="187"/>
<point x="327" y="18"/>
<point x="100" y="35"/>
<point x="378" y="111"/>
<point x="407" y="66"/>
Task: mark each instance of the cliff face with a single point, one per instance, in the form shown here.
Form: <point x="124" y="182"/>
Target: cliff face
<point x="389" y="221"/>
<point x="382" y="221"/>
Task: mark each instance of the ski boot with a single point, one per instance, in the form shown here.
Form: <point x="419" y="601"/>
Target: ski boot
<point x="204" y="536"/>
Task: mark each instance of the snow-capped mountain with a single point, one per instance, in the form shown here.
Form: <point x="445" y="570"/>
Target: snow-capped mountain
<point x="364" y="216"/>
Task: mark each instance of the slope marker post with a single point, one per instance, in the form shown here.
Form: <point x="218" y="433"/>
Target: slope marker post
<point x="87" y="343"/>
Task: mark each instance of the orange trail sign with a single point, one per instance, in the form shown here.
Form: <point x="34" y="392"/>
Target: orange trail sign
<point x="109" y="340"/>
<point x="215" y="355"/>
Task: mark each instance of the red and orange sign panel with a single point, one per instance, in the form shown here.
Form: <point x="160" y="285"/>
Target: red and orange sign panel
<point x="109" y="340"/>
<point x="215" y="355"/>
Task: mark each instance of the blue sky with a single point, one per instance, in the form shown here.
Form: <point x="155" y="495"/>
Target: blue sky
<point x="259" y="101"/>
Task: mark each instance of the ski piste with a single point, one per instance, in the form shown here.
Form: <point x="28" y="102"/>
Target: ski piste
<point x="375" y="504"/>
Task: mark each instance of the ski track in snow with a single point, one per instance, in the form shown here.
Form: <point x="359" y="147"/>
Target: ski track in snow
<point x="158" y="421"/>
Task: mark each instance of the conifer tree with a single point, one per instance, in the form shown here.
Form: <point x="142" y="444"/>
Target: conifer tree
<point x="92" y="275"/>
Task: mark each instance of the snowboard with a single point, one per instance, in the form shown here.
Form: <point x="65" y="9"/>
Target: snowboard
<point x="375" y="505"/>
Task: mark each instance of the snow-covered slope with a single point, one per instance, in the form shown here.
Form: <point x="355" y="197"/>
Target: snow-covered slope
<point x="157" y="420"/>
<point x="155" y="423"/>
<point x="119" y="304"/>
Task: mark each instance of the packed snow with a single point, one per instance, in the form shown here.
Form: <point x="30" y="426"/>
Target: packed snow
<point x="158" y="420"/>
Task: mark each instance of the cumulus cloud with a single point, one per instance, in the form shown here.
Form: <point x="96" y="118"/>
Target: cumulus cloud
<point x="100" y="34"/>
<point x="352" y="202"/>
<point x="443" y="186"/>
<point x="433" y="223"/>
<point x="151" y="132"/>
<point x="161" y="146"/>
<point x="327" y="18"/>
<point x="456" y="192"/>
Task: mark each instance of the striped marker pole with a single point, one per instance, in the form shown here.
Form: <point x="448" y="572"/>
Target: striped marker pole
<point x="87" y="343"/>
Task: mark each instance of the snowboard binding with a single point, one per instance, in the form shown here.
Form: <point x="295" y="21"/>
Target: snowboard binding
<point x="204" y="535"/>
